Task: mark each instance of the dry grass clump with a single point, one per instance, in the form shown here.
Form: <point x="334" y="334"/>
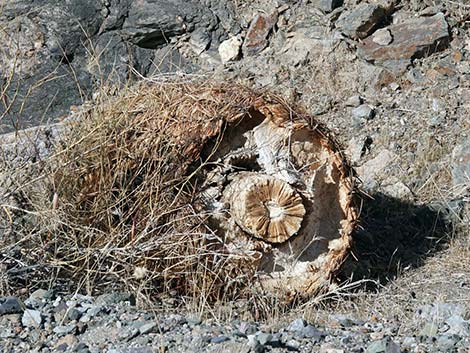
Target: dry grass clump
<point x="119" y="192"/>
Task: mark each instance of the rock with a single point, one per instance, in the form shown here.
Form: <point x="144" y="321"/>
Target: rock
<point x="257" y="35"/>
<point x="394" y="86"/>
<point x="150" y="23"/>
<point x="73" y="314"/>
<point x="354" y="101"/>
<point x="293" y="345"/>
<point x="219" y="339"/>
<point x="458" y="326"/>
<point x="429" y="330"/>
<point x="200" y="40"/>
<point x="10" y="305"/>
<point x="300" y="47"/>
<point x="398" y="190"/>
<point x="447" y="343"/>
<point x="370" y="170"/>
<point x="64" y="329"/>
<point x="147" y="328"/>
<point x="114" y="298"/>
<point x="364" y="111"/>
<point x="414" y="38"/>
<point x="31" y="318"/>
<point x="385" y="345"/>
<point x="297" y="325"/>
<point x="264" y="338"/>
<point x="245" y="328"/>
<point x="360" y="21"/>
<point x="382" y="37"/>
<point x="345" y="320"/>
<point x="229" y="50"/>
<point x="461" y="168"/>
<point x="312" y="333"/>
<point x="254" y="344"/>
<point x="327" y="5"/>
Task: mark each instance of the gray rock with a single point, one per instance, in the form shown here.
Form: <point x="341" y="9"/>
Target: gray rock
<point x="31" y="318"/>
<point x="385" y="345"/>
<point x="64" y="329"/>
<point x="264" y="338"/>
<point x="327" y="5"/>
<point x="354" y="101"/>
<point x="461" y="168"/>
<point x="364" y="111"/>
<point x="114" y="298"/>
<point x="311" y="332"/>
<point x="147" y="328"/>
<point x="73" y="314"/>
<point x="429" y="330"/>
<point x="200" y="40"/>
<point x="360" y="21"/>
<point x="254" y="344"/>
<point x="293" y="345"/>
<point x="150" y="23"/>
<point x="219" y="339"/>
<point x="297" y="325"/>
<point x="458" y="326"/>
<point x="447" y="343"/>
<point x="10" y="305"/>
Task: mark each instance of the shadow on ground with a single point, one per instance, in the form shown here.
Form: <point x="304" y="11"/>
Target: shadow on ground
<point x="394" y="235"/>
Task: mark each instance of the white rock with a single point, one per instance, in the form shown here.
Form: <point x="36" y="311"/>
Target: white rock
<point x="382" y="37"/>
<point x="229" y="50"/>
<point x="31" y="318"/>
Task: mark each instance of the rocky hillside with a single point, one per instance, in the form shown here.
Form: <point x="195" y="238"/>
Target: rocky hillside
<point x="390" y="78"/>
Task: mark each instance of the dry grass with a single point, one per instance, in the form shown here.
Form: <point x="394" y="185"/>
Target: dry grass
<point x="115" y="207"/>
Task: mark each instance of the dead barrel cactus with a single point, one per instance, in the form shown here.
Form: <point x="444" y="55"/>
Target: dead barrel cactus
<point x="268" y="181"/>
<point x="277" y="188"/>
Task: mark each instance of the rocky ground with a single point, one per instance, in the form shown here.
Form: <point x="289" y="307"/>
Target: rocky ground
<point x="46" y="322"/>
<point x="390" y="78"/>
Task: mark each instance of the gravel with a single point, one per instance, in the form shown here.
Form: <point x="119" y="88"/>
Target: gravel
<point x="122" y="327"/>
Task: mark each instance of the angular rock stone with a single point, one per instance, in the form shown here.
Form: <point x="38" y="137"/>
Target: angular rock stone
<point x="370" y="170"/>
<point x="258" y="32"/>
<point x="10" y="305"/>
<point x="382" y="37"/>
<point x="200" y="40"/>
<point x="461" y="168"/>
<point x="361" y="21"/>
<point x="354" y="101"/>
<point x="151" y="23"/>
<point x="411" y="39"/>
<point x="327" y="5"/>
<point x="297" y="325"/>
<point x="229" y="50"/>
<point x="31" y="318"/>
<point x="364" y="111"/>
